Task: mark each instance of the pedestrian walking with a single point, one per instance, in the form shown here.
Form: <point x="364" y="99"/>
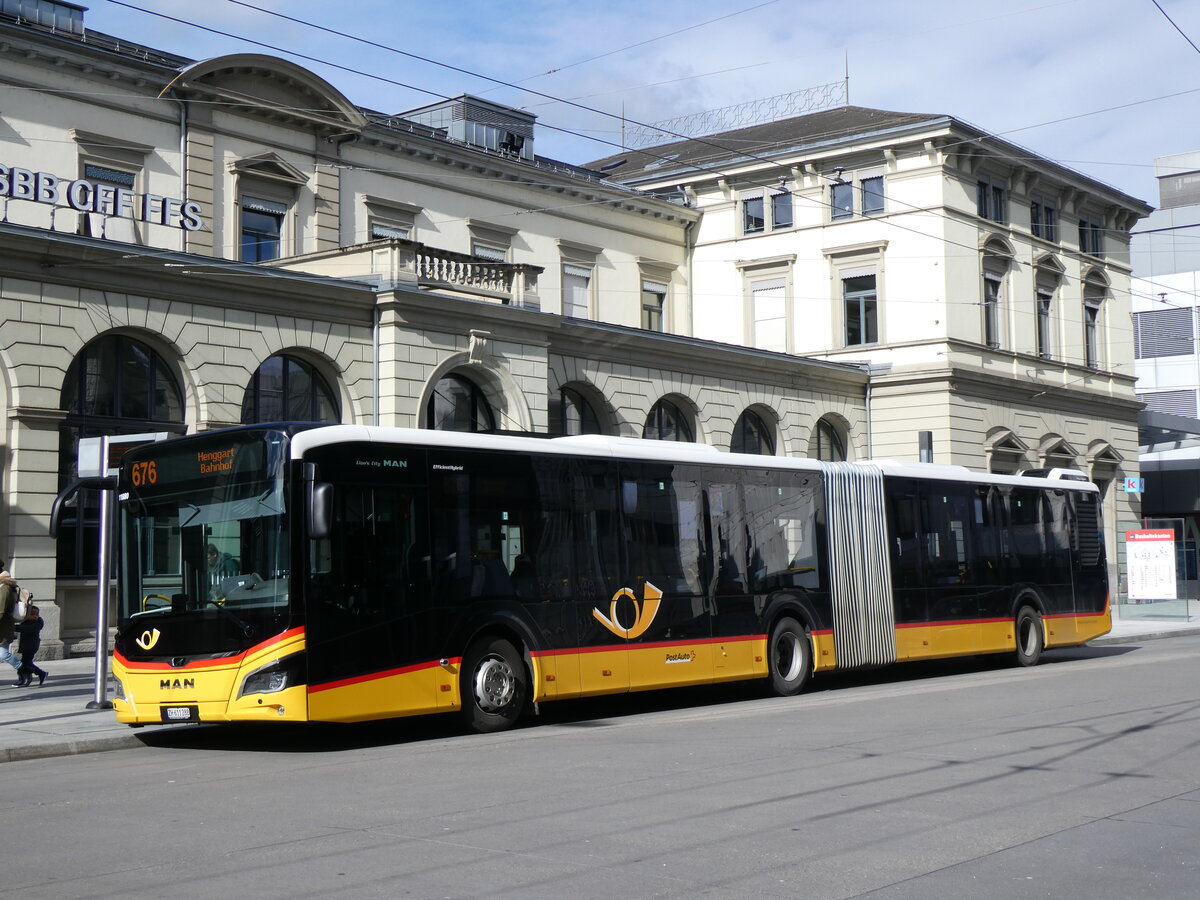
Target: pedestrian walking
<point x="8" y="606"/>
<point x="29" y="631"/>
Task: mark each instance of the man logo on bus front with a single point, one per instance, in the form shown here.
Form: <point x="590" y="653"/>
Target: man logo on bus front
<point x="643" y="613"/>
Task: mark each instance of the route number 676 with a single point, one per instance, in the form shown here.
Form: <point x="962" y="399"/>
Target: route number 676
<point x="144" y="473"/>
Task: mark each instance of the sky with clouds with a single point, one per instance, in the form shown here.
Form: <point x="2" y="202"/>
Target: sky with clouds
<point x="1102" y="86"/>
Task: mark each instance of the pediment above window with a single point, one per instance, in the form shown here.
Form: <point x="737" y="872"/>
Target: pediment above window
<point x="271" y="167"/>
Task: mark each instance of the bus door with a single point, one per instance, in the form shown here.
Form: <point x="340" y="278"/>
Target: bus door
<point x="501" y="546"/>
<point x="662" y="611"/>
<point x="1040" y="548"/>
<point x="989" y="570"/>
<point x="913" y="639"/>
<point x="1089" y="571"/>
<point x="948" y="513"/>
<point x="371" y="612"/>
<point x="731" y="578"/>
<point x="765" y="543"/>
<point x="597" y="582"/>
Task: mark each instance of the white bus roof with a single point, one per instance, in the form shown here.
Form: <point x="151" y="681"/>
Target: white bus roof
<point x="662" y="451"/>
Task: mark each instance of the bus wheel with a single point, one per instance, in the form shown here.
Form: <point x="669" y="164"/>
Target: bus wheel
<point x="494" y="685"/>
<point x="789" y="655"/>
<point x="1030" y="637"/>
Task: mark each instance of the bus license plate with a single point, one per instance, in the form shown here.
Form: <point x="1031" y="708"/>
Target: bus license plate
<point x="181" y="714"/>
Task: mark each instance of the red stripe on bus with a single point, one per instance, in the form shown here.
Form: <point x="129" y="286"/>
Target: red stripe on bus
<point x="375" y="676"/>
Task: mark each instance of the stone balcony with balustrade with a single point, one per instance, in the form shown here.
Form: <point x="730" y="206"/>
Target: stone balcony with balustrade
<point x="397" y="263"/>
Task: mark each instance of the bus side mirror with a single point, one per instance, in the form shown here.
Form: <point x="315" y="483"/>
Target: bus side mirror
<point x="320" y="510"/>
<point x="68" y="497"/>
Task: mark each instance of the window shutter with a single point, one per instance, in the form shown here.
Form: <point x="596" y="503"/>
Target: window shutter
<point x="1175" y="403"/>
<point x="770" y="314"/>
<point x="269" y="207"/>
<point x="1163" y="332"/>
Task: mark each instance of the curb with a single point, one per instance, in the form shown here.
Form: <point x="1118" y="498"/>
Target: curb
<point x="68" y="748"/>
<point x="1145" y="636"/>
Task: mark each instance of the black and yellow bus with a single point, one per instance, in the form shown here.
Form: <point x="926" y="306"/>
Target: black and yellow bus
<point x="346" y="573"/>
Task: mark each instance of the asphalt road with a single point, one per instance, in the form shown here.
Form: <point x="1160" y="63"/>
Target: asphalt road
<point x="1079" y="778"/>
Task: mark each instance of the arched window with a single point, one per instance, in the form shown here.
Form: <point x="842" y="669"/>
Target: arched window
<point x="1094" y="293"/>
<point x="830" y="444"/>
<point x="116" y="385"/>
<point x="667" y="422"/>
<point x="752" y="435"/>
<point x="458" y="404"/>
<point x="287" y="389"/>
<point x="575" y="414"/>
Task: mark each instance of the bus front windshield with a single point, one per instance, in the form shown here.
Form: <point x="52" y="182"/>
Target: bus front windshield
<point x="210" y="555"/>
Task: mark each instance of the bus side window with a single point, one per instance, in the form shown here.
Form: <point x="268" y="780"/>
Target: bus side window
<point x="946" y="520"/>
<point x="784" y="548"/>
<point x="663" y="522"/>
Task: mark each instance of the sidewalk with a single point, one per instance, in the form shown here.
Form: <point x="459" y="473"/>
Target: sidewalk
<point x="53" y="720"/>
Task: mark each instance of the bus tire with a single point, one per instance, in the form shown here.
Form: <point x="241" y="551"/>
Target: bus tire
<point x="1031" y="637"/>
<point x="494" y="685"/>
<point x="789" y="658"/>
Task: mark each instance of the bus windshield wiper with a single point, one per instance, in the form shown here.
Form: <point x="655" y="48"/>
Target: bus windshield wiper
<point x="245" y="627"/>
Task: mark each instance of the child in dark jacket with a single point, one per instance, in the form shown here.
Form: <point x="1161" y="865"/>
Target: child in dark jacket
<point x="29" y="631"/>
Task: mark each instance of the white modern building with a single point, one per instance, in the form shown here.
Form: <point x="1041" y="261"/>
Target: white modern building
<point x="987" y="287"/>
<point x="1165" y="286"/>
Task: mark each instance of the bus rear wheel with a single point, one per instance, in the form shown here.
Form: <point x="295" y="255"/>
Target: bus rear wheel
<point x="789" y="657"/>
<point x="494" y="685"/>
<point x="1030" y="637"/>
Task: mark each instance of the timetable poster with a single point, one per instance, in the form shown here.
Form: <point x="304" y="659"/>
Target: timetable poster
<point x="1150" y="560"/>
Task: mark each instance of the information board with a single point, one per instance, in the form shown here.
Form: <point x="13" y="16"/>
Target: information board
<point x="1150" y="561"/>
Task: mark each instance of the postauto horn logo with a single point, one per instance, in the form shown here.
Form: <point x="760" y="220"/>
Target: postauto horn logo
<point x="643" y="613"/>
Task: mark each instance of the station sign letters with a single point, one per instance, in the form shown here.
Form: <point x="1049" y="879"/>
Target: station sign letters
<point x="87" y="196"/>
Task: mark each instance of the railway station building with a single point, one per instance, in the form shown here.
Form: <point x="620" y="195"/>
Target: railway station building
<point x="190" y="245"/>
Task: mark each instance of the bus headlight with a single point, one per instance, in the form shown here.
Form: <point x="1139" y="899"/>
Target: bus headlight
<point x="118" y="689"/>
<point x="275" y="676"/>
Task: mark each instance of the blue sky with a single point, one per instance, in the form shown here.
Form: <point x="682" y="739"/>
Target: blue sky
<point x="1102" y="86"/>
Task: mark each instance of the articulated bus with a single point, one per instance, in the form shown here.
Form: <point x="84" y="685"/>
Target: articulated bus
<point x="345" y="573"/>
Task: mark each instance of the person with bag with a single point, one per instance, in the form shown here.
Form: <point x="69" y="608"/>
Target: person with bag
<point x="30" y="632"/>
<point x="8" y="607"/>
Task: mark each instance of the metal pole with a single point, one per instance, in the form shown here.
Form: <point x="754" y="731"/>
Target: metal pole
<point x="100" y="697"/>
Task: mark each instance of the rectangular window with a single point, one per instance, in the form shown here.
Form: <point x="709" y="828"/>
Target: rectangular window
<point x="381" y="231"/>
<point x="107" y="222"/>
<point x="1091" y="335"/>
<point x="872" y="195"/>
<point x="781" y="211"/>
<point x="991" y="200"/>
<point x="841" y="200"/>
<point x="654" y="295"/>
<point x="753" y="216"/>
<point x="991" y="311"/>
<point x="861" y="312"/>
<point x="1044" y="300"/>
<point x="262" y="229"/>
<point x="1043" y="218"/>
<point x="769" y="301"/>
<point x="1091" y="236"/>
<point x="577" y="291"/>
<point x="489" y="252"/>
<point x="764" y="211"/>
